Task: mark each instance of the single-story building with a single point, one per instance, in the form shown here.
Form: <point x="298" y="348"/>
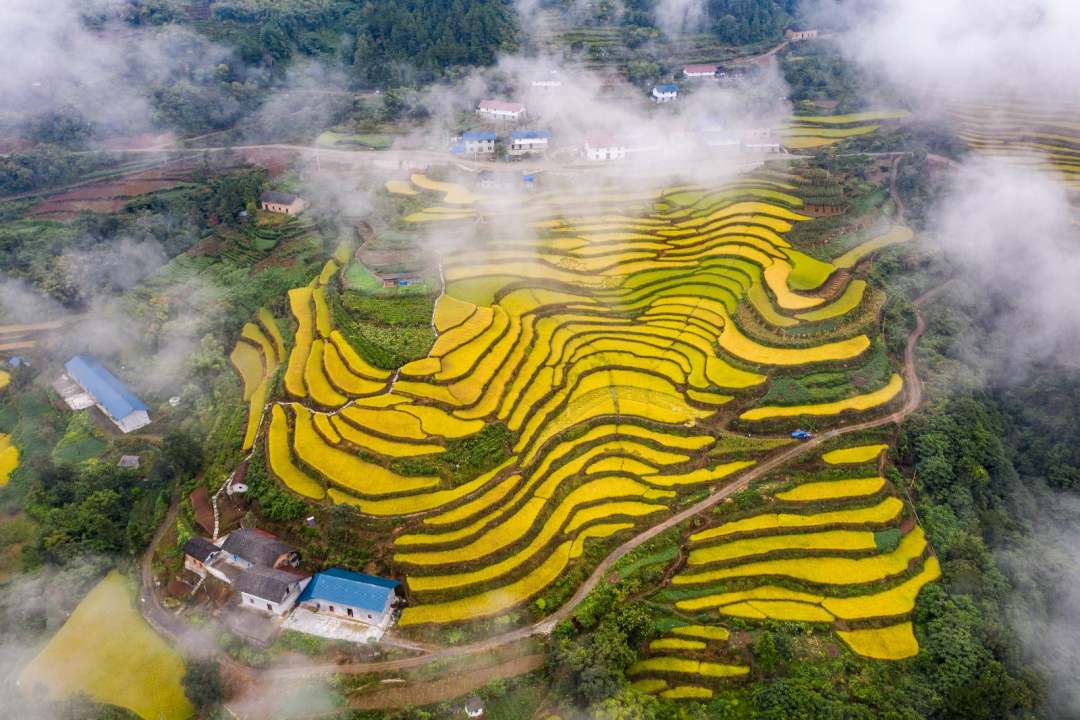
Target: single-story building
<point x="478" y="142"/>
<point x="100" y="387"/>
<point x="700" y="71"/>
<point x="665" y="93"/>
<point x="283" y="203"/>
<point x="547" y="83"/>
<point x="199" y="554"/>
<point x="403" y="279"/>
<point x="605" y="146"/>
<point x="269" y="589"/>
<point x="798" y="32"/>
<point x="255" y="548"/>
<point x="365" y="598"/>
<point x="474" y="707"/>
<point x="501" y="110"/>
<point x="527" y="142"/>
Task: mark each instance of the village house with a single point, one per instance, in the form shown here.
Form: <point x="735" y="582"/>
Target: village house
<point x="700" y="71"/>
<point x="394" y="280"/>
<point x="478" y="142"/>
<point x="529" y="142"/>
<point x="474" y="707"/>
<point x="86" y="383"/>
<point x="282" y="203"/>
<point x="355" y="596"/>
<point x="604" y="146"/>
<point x="549" y="83"/>
<point x="798" y="32"/>
<point x="501" y="110"/>
<point x="269" y="589"/>
<point x="199" y="556"/>
<point x="246" y="548"/>
<point x="665" y="93"/>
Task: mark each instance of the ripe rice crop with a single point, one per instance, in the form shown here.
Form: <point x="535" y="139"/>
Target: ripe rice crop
<point x="895" y="601"/>
<point x="777" y="610"/>
<point x="254" y="333"/>
<point x="764" y="592"/>
<point x="822" y="570"/>
<point x="895" y="234"/>
<point x="668" y="664"/>
<point x="826" y="540"/>
<point x="281" y="464"/>
<point x="9" y="459"/>
<point x="341" y="377"/>
<point x="319" y="388"/>
<point x="345" y="469"/>
<point x="300" y="302"/>
<point x="687" y="692"/>
<point x="255" y="410"/>
<point x="676" y="644"/>
<point x="850" y="299"/>
<point x="706" y="632"/>
<point x="248" y="363"/>
<point x="854" y="455"/>
<point x="649" y="685"/>
<point x="832" y="489"/>
<point x="739" y="345"/>
<point x="883" y="512"/>
<point x="896" y="642"/>
<point x="381" y="446"/>
<point x="356" y="363"/>
<point x="859" y="403"/>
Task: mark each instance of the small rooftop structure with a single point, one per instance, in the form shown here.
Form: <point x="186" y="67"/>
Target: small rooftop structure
<point x="283" y="203"/>
<point x="111" y="396"/>
<point x="129" y="462"/>
<point x="249" y="548"/>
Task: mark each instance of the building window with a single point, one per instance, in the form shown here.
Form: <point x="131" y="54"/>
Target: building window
<point x="350" y="612"/>
<point x="269" y="607"/>
<point x="369" y="616"/>
<point x="331" y="608"/>
<point x="251" y="600"/>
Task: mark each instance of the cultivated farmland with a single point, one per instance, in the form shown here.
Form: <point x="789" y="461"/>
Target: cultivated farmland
<point x="606" y="353"/>
<point x="107" y="651"/>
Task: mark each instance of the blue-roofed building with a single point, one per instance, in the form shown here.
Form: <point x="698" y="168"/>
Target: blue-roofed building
<point x="365" y="598"/>
<point x="110" y="395"/>
<point x="526" y="142"/>
<point x="665" y="93"/>
<point x="479" y="142"/>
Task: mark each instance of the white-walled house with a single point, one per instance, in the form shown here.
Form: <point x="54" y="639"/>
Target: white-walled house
<point x="364" y="598"/>
<point x="269" y="590"/>
<point x="600" y="147"/>
<point x="479" y="142"/>
<point x="527" y="142"/>
<point x="665" y="93"/>
<point x="699" y="71"/>
<point x="501" y="110"/>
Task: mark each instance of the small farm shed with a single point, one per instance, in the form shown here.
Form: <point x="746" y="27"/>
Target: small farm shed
<point x="391" y="280"/>
<point x="501" y="110"/>
<point x="700" y="71"/>
<point x="283" y="203"/>
<point x="247" y="548"/>
<point x="269" y="589"/>
<point x="474" y="707"/>
<point x="366" y="598"/>
<point x="799" y="32"/>
<point x="104" y="390"/>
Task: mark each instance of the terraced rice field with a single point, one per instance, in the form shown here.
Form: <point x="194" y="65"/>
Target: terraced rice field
<point x="809" y="132"/>
<point x="9" y="458"/>
<point x="1046" y="139"/>
<point x="609" y="351"/>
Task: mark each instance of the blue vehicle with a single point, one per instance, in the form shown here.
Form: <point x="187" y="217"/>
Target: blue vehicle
<point x="802" y="435"/>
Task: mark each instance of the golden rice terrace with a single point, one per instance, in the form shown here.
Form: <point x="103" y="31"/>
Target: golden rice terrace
<point x="634" y="350"/>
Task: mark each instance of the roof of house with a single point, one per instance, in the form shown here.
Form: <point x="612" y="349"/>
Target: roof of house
<point x="604" y="140"/>
<point x="200" y="548"/>
<point x="266" y="583"/>
<point x="367" y="592"/>
<point x="530" y="135"/>
<point x="278" y="198"/>
<point x="503" y="105"/>
<point x="698" y="69"/>
<point x="256" y="547"/>
<point x="105" y="388"/>
<point x="128" y="461"/>
<point x="667" y="88"/>
<point x="474" y="705"/>
<point x="478" y="135"/>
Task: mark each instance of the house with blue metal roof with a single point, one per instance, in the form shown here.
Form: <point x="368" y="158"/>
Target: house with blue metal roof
<point x="525" y="142"/>
<point x="666" y="92"/>
<point x="478" y="142"/>
<point x="110" y="395"/>
<point x="365" y="598"/>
